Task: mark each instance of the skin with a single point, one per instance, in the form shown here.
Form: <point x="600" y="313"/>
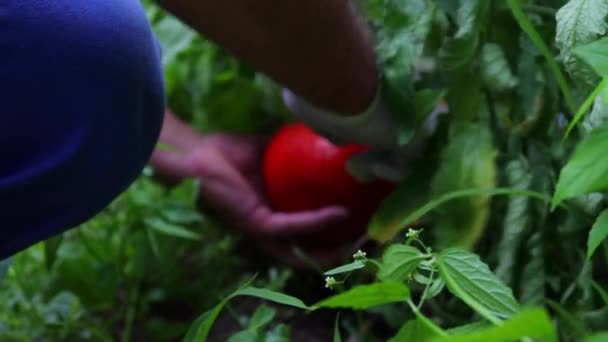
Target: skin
<point x="230" y="168"/>
<point x="321" y="50"/>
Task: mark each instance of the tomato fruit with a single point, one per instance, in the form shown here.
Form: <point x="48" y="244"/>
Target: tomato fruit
<point x="305" y="171"/>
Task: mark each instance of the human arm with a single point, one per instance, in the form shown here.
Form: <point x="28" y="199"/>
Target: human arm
<point x="320" y="49"/>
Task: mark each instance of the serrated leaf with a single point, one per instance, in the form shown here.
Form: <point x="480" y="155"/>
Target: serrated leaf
<point x="531" y="323"/>
<point x="471" y="280"/>
<point x="161" y="226"/>
<point x="413" y="330"/>
<point x="471" y="16"/>
<point x="579" y="22"/>
<point x="533" y="275"/>
<point x="516" y="220"/>
<point x="356" y="265"/>
<point x="457" y="53"/>
<point x="272" y="296"/>
<point x="495" y="71"/>
<point x="587" y="170"/>
<point x="598" y="233"/>
<point x="468" y="163"/>
<point x="399" y="261"/>
<point x="367" y="296"/>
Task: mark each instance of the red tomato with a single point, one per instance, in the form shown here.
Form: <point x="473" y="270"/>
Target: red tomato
<point x="304" y="171"/>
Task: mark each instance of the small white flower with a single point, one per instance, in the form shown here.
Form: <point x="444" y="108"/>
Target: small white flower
<point x="360" y="255"/>
<point x="330" y="282"/>
<point x="412" y="233"/>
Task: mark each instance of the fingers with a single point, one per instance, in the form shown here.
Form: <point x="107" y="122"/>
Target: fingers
<point x="267" y="222"/>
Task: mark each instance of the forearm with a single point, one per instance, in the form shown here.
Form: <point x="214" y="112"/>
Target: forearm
<point x="317" y="48"/>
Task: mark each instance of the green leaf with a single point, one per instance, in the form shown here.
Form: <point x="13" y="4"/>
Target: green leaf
<point x="427" y="100"/>
<point x="538" y="41"/>
<point x="598" y="337"/>
<point x="50" y="250"/>
<point x="459" y="51"/>
<point x="594" y="54"/>
<point x="174" y="37"/>
<point x="469" y="328"/>
<point x="599" y="114"/>
<point x="516" y="220"/>
<point x="533" y="276"/>
<point x="471" y="280"/>
<point x="356" y="265"/>
<point x="584" y="108"/>
<point x="413" y="330"/>
<point x="261" y="317"/>
<point x="4" y="266"/>
<point x="579" y="22"/>
<point x="587" y="170"/>
<point x="430" y="325"/>
<point x="337" y="337"/>
<point x="272" y="296"/>
<point x="598" y="233"/>
<point x="569" y="319"/>
<point x="468" y="162"/>
<point x="367" y="296"/>
<point x="495" y="70"/>
<point x="199" y="330"/>
<point x="399" y="261"/>
<point x="600" y="290"/>
<point x="461" y="194"/>
<point x="531" y="323"/>
<point x="161" y="226"/>
<point x="244" y="336"/>
<point x="465" y="103"/>
<point x="388" y="220"/>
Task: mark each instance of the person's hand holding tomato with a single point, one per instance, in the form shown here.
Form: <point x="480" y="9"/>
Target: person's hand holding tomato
<point x="293" y="191"/>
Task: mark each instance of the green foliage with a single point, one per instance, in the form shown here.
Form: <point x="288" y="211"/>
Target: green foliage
<point x="468" y="278"/>
<point x="534" y="324"/>
<point x="468" y="163"/>
<point x="598" y="233"/>
<point x="587" y="170"/>
<point x="498" y="187"/>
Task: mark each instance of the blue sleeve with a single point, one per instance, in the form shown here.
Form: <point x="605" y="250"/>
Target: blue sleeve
<point x="82" y="99"/>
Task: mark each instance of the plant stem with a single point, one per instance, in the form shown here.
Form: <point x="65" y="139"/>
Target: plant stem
<point x="130" y="316"/>
<point x="426" y="288"/>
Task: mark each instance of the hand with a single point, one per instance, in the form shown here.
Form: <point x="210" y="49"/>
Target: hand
<point x="229" y="167"/>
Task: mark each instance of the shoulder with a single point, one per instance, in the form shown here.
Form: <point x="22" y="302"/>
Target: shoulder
<point x="82" y="103"/>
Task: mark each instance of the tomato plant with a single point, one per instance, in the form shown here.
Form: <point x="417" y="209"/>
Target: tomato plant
<point x="512" y="187"/>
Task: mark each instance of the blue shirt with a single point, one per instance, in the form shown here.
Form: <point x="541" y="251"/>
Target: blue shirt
<point x="82" y="98"/>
